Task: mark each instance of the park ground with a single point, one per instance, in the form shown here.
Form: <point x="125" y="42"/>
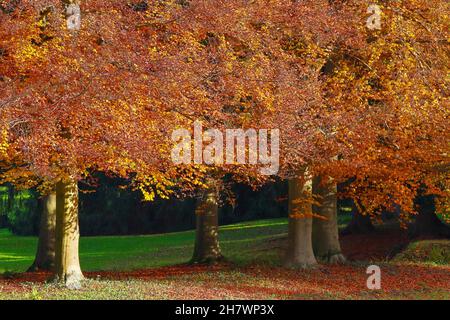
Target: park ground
<point x="154" y="267"/>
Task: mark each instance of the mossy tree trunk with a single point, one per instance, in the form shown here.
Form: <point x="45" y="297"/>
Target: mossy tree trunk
<point x="427" y="224"/>
<point x="207" y="248"/>
<point x="325" y="232"/>
<point x="299" y="253"/>
<point x="45" y="254"/>
<point x="67" y="265"/>
<point x="360" y="224"/>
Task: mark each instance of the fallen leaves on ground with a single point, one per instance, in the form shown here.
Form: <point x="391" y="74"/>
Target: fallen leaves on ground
<point x="403" y="281"/>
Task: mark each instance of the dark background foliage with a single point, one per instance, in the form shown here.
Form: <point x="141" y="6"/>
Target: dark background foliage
<point x="111" y="210"/>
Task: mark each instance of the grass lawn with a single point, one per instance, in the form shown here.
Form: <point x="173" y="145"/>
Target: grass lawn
<point x="241" y="243"/>
<point x="148" y="267"/>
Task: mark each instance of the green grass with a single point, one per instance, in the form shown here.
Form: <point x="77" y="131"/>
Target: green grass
<point x="241" y="243"/>
<point x="136" y="252"/>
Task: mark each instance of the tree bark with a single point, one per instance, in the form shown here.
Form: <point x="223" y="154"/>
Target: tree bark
<point x="67" y="265"/>
<point x="45" y="255"/>
<point x="207" y="248"/>
<point x="299" y="252"/>
<point x="360" y="224"/>
<point x="325" y="232"/>
<point x="427" y="224"/>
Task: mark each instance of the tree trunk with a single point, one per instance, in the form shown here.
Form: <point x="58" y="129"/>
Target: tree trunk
<point x="207" y="249"/>
<point x="45" y="255"/>
<point x="299" y="251"/>
<point x="67" y="265"/>
<point x="325" y="232"/>
<point x="427" y="224"/>
<point x="360" y="224"/>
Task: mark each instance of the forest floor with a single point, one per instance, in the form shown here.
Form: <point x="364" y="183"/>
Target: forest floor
<point x="151" y="267"/>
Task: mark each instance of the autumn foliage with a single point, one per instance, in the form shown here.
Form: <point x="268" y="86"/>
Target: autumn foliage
<point x="354" y="104"/>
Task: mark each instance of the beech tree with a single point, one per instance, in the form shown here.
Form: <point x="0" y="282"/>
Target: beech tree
<point x="366" y="124"/>
<point x="325" y="226"/>
<point x="242" y="59"/>
<point x="393" y="86"/>
<point x="207" y="248"/>
<point x="350" y="102"/>
<point x="360" y="223"/>
<point x="299" y="251"/>
<point x="66" y="110"/>
<point x="45" y="254"/>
